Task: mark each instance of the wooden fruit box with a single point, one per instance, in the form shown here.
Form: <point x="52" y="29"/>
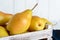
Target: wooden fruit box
<point x="47" y="33"/>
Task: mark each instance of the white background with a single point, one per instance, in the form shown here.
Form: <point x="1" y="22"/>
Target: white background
<point x="13" y="6"/>
<point x="49" y="9"/>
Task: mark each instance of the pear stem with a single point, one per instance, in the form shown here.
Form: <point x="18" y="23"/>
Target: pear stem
<point x="34" y="6"/>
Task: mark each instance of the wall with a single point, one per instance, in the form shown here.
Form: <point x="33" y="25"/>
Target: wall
<point x="13" y="6"/>
<point x="6" y="6"/>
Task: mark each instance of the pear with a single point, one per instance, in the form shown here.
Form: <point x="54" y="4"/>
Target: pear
<point x="37" y="24"/>
<point x="47" y="21"/>
<point x="8" y="17"/>
<point x="20" y="22"/>
<point x="3" y="32"/>
<point x="4" y="17"/>
<point x="2" y="21"/>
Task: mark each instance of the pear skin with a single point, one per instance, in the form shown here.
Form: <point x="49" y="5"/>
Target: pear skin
<point x="20" y="22"/>
<point x="2" y="21"/>
<point x="47" y="22"/>
<point x="8" y="17"/>
<point x="3" y="32"/>
<point x="4" y="17"/>
<point x="36" y="24"/>
<point x="2" y="13"/>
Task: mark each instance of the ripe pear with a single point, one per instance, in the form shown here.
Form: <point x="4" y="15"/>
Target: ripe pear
<point x="20" y="22"/>
<point x="4" y="17"/>
<point x="47" y="21"/>
<point x="8" y="17"/>
<point x="1" y="18"/>
<point x="3" y="32"/>
<point x="37" y="24"/>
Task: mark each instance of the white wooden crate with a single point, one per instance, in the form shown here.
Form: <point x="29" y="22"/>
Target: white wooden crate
<point x="47" y="33"/>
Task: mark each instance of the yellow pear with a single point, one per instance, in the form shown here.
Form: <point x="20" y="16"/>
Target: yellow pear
<point x="8" y="17"/>
<point x="47" y="22"/>
<point x="4" y="18"/>
<point x="20" y="22"/>
<point x="3" y="32"/>
<point x="37" y="24"/>
<point x="2" y="21"/>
